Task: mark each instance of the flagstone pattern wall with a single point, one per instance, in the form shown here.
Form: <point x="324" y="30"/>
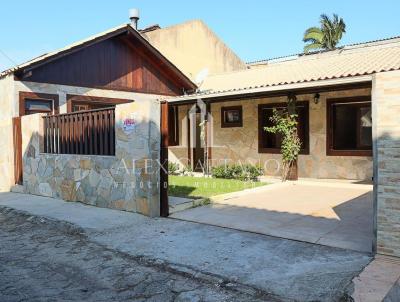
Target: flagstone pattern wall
<point x="241" y="143"/>
<point x="386" y="96"/>
<point x="117" y="182"/>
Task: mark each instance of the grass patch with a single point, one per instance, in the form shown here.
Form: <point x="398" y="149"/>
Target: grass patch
<point x="202" y="187"/>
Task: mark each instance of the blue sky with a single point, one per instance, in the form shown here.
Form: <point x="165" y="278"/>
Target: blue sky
<point x="254" y="29"/>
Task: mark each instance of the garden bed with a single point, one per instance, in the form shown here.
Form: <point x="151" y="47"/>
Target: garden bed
<point x="203" y="187"/>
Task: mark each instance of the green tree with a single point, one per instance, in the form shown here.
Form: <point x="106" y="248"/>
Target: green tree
<point x="285" y="123"/>
<point x="327" y="36"/>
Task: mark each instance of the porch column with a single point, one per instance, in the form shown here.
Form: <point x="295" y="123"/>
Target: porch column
<point x="386" y="135"/>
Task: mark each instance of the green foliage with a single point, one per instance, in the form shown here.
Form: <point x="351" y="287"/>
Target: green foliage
<point x="172" y="168"/>
<point x="204" y="187"/>
<point x="187" y="170"/>
<point x="285" y="124"/>
<point x="244" y="172"/>
<point x="327" y="36"/>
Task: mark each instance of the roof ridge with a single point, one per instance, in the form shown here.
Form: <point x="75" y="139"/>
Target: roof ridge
<point x="301" y="54"/>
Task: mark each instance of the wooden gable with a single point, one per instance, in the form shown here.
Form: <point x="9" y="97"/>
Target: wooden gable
<point x="121" y="62"/>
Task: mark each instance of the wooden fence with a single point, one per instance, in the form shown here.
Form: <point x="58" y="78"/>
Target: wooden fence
<point x="89" y="132"/>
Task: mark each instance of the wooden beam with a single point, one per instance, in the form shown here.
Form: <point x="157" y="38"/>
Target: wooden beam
<point x="164" y="206"/>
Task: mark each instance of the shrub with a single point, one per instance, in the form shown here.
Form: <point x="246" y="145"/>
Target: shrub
<point x="172" y="168"/>
<point x="187" y="171"/>
<point x="244" y="172"/>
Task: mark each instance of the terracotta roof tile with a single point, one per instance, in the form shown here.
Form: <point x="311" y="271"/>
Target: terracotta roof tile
<point x="356" y="60"/>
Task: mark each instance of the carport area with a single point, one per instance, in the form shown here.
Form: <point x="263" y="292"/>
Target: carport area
<point x="328" y="213"/>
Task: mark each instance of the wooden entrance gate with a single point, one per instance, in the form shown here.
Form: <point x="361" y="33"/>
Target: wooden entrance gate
<point x="17" y="142"/>
<point x="164" y="207"/>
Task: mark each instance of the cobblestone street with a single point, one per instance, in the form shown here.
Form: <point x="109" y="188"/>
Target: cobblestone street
<point x="45" y="260"/>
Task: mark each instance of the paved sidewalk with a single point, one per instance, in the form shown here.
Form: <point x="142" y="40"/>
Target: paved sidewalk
<point x="286" y="269"/>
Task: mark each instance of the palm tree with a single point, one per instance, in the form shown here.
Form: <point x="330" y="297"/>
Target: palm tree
<point x="327" y="36"/>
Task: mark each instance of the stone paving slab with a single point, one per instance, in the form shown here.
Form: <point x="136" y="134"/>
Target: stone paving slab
<point x="286" y="269"/>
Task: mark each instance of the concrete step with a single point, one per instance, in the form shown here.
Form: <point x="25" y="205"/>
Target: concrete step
<point x="178" y="204"/>
<point x="17" y="189"/>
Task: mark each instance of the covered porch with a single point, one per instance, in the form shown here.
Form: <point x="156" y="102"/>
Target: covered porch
<point x="334" y="126"/>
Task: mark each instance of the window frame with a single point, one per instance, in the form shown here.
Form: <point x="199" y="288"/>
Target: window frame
<point x="330" y="127"/>
<point x="45" y="97"/>
<point x="306" y="149"/>
<point x="225" y="124"/>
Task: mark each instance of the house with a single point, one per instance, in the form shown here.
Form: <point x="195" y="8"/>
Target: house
<point x="348" y="107"/>
<point x="119" y="66"/>
<point x="68" y="118"/>
<point x="333" y="91"/>
<point x="102" y="101"/>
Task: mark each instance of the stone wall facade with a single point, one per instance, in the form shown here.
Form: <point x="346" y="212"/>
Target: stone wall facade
<point x="241" y="143"/>
<point x="386" y="114"/>
<point x="127" y="181"/>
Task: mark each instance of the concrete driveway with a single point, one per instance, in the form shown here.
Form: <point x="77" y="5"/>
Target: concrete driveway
<point x="332" y="214"/>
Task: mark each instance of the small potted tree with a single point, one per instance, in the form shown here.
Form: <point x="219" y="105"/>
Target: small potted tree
<point x="285" y="123"/>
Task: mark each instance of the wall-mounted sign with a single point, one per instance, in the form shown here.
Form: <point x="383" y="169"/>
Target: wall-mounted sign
<point x="129" y="125"/>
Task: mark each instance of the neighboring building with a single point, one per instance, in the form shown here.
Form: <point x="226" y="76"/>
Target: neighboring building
<point x="194" y="47"/>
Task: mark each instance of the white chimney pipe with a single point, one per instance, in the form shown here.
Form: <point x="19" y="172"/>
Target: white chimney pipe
<point x="134" y="16"/>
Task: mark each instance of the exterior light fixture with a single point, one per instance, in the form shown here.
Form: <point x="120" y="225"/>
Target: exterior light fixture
<point x="316" y="98"/>
<point x="292" y="98"/>
<point x="291" y="103"/>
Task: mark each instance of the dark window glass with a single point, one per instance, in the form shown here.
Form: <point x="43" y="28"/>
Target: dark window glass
<point x="38" y="106"/>
<point x="173" y="126"/>
<point x="351" y="126"/>
<point x="231" y="116"/>
<point x="365" y="127"/>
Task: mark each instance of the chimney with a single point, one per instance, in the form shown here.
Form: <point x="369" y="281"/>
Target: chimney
<point x="134" y="16"/>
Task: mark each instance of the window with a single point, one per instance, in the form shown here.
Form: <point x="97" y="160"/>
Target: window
<point x="81" y="106"/>
<point x="231" y="117"/>
<point x="349" y="126"/>
<point x="31" y="103"/>
<point x="83" y="102"/>
<point x="271" y="142"/>
<point x="173" y="126"/>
